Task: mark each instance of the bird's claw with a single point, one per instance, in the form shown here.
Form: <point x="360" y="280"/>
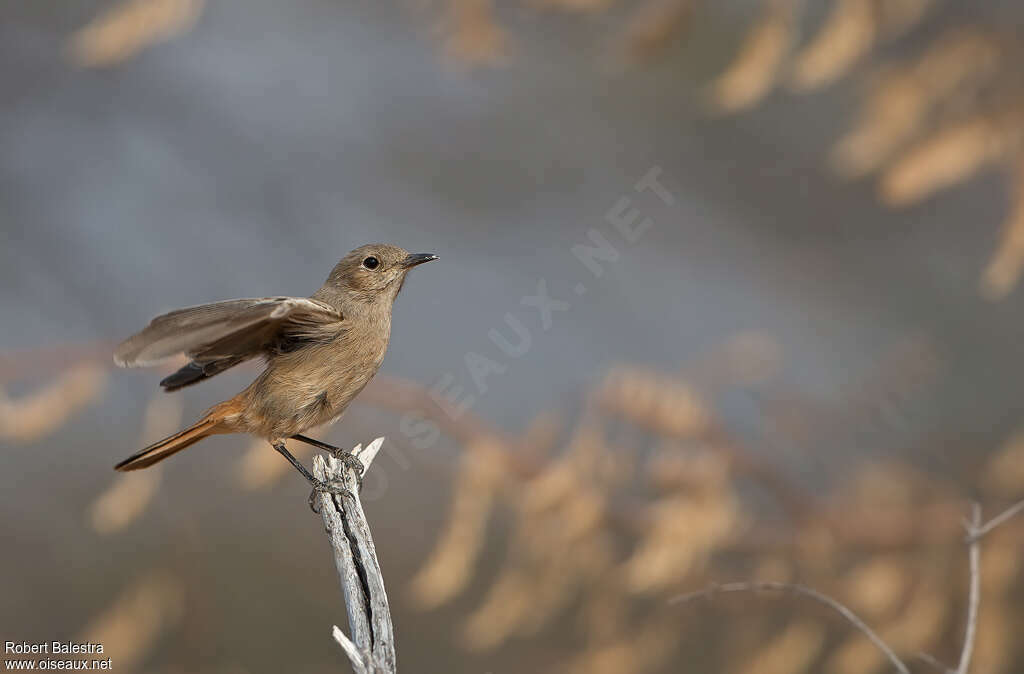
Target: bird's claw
<point x="352" y="462"/>
<point x="321" y="487"/>
<point x="336" y="487"/>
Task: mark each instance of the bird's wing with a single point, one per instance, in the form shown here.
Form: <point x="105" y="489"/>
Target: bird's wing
<point x="229" y="332"/>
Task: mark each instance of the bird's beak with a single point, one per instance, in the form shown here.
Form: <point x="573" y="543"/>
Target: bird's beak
<point x="413" y="259"/>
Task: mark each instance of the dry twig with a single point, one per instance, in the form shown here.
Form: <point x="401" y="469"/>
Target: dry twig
<point x="976" y="529"/>
<point x="372" y="648"/>
<point x="835" y="605"/>
<point x="974" y="595"/>
<point x="1001" y="518"/>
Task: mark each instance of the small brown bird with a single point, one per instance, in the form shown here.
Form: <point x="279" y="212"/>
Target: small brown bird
<point x="320" y="352"/>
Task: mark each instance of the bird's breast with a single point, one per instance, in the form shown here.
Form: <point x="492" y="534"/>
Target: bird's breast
<point x="313" y="385"/>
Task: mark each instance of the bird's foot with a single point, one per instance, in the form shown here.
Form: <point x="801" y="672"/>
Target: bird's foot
<point x="352" y="462"/>
<point x="335" y="487"/>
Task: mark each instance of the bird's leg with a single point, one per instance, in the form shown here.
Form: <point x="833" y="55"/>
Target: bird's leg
<point x="318" y="443"/>
<point x="343" y="455"/>
<point x="319" y="486"/>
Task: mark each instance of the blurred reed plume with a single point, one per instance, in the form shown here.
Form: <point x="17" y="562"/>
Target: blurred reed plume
<point x="946" y="108"/>
<point x="35" y="415"/>
<point x="929" y="121"/>
<point x="479" y="478"/>
<point x="261" y="468"/>
<point x="793" y="650"/>
<point x="127" y="28"/>
<point x="758" y="63"/>
<point x="131" y="493"/>
<point x="1004" y="472"/>
<point x="652" y="28"/>
<point x="931" y="118"/>
<point x="472" y="36"/>
<point x="648" y="494"/>
<point x="138" y="617"/>
<point x="1004" y="270"/>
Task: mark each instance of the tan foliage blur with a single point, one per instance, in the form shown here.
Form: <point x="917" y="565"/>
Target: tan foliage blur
<point x="1004" y="270"/>
<point x="904" y="97"/>
<point x="1005" y="470"/>
<point x="473" y="36"/>
<point x="261" y="466"/>
<point x="757" y="64"/>
<point x="126" y="29"/>
<point x="928" y="122"/>
<point x="648" y="497"/>
<point x="655" y="26"/>
<point x="793" y="649"/>
<point x="131" y="493"/>
<point x="446" y="573"/>
<point x="131" y="626"/>
<point x="38" y="414"/>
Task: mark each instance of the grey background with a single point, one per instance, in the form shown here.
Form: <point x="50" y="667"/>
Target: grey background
<point x="246" y="156"/>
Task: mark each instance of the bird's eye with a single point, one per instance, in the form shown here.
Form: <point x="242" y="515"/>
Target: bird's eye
<point x="371" y="263"/>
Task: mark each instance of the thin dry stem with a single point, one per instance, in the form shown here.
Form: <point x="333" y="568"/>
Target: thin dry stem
<point x="838" y="607"/>
<point x="974" y="596"/>
<point x="1001" y="518"/>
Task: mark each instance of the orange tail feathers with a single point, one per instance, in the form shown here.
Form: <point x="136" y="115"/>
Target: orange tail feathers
<point x="161" y="450"/>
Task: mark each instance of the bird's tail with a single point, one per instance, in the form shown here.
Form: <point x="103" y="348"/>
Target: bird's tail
<point x="161" y="450"/>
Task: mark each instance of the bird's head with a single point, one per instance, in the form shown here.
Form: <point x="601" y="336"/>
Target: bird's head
<point x="374" y="272"/>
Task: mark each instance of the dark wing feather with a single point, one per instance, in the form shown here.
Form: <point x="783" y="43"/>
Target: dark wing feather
<point x="194" y="372"/>
<point x="219" y="335"/>
<point x="191" y="373"/>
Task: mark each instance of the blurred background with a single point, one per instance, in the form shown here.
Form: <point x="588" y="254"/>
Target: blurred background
<point x="776" y="248"/>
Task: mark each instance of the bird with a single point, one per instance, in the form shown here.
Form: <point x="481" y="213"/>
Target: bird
<point x="319" y="353"/>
